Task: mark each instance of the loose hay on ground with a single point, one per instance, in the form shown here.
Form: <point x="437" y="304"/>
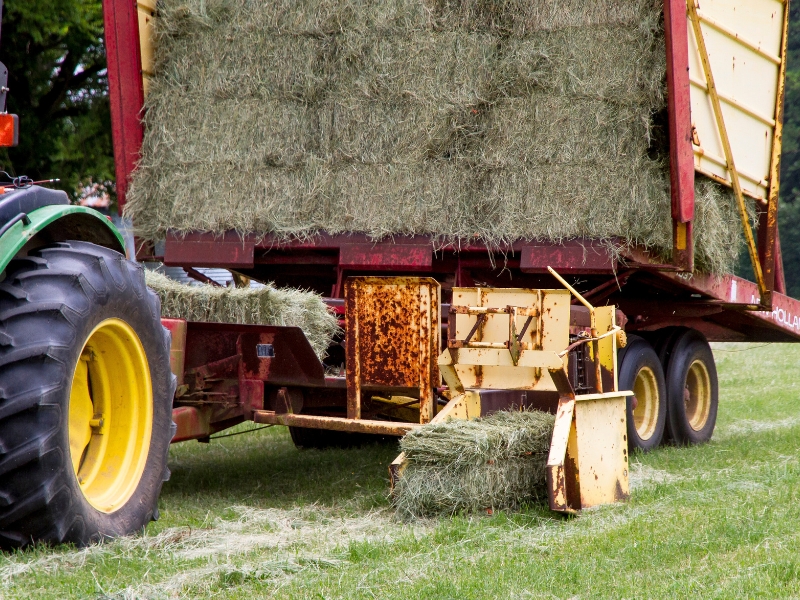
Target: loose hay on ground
<point x="508" y="120"/>
<point x="497" y="462"/>
<point x="252" y="306"/>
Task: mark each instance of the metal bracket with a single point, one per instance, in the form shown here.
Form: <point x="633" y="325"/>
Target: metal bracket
<point x="3" y="85"/>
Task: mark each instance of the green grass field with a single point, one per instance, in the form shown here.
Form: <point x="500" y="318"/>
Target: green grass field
<point x="251" y="517"/>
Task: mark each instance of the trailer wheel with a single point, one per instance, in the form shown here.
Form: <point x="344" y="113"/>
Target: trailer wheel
<point x="85" y="397"/>
<point x="692" y="389"/>
<point x="640" y="371"/>
<point x="664" y="342"/>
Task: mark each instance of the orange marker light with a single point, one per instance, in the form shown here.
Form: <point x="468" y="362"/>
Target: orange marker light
<point x="9" y="130"/>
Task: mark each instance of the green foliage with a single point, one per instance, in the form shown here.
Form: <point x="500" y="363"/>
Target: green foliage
<point x="57" y="76"/>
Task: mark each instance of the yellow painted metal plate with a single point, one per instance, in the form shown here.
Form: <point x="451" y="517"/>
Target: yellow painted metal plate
<point x="602" y="450"/>
<point x="490" y="368"/>
<point x="605" y="317"/>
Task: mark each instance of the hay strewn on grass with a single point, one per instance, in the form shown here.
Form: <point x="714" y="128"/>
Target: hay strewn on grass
<point x="505" y="120"/>
<point x="496" y="462"/>
<point x="262" y="306"/>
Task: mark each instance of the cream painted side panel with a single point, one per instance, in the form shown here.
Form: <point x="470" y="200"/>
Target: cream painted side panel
<point x="743" y="38"/>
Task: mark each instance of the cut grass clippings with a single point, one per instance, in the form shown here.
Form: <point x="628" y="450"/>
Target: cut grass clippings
<point x="251" y="517"/>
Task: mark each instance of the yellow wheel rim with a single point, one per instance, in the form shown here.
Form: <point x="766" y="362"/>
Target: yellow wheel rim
<point x="110" y="415"/>
<point x="697" y="395"/>
<point x="645" y="415"/>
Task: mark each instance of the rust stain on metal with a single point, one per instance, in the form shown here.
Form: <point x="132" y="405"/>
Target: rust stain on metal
<point x="191" y="423"/>
<point x="478" y="369"/>
<point x="572" y="479"/>
<point x="388" y="353"/>
<point x="392" y="338"/>
<point x="619" y="494"/>
<point x="557" y="489"/>
<point x="767" y="248"/>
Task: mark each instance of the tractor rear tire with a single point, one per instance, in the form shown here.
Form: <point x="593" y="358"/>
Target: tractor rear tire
<point x="640" y="371"/>
<point x="692" y="390"/>
<point x="85" y="397"/>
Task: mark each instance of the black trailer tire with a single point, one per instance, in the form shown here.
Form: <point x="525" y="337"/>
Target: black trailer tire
<point x="663" y="342"/>
<point x="640" y="371"/>
<point x="77" y="322"/>
<point x="692" y="389"/>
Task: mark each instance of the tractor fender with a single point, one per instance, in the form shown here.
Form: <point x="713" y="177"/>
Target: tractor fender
<point x="56" y="223"/>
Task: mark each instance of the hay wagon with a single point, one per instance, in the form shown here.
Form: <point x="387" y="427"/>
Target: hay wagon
<point x="610" y="335"/>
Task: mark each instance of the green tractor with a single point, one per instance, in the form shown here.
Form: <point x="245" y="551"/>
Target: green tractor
<point x="85" y="383"/>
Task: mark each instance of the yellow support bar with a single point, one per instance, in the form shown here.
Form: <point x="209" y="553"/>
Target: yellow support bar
<point x="775" y="161"/>
<point x="592" y="322"/>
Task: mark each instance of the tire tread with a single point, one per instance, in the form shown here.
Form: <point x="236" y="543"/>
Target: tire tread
<point x="58" y="283"/>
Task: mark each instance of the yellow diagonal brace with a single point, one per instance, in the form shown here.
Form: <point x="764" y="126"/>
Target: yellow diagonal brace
<point x="775" y="159"/>
<point x="726" y="145"/>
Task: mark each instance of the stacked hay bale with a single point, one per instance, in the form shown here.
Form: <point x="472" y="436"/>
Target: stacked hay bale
<point x="497" y="462"/>
<point x="492" y="120"/>
<point x="253" y="306"/>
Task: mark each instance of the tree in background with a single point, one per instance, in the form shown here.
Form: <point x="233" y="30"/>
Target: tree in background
<point x="57" y="79"/>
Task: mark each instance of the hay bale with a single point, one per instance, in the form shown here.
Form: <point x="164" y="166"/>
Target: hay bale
<point x="252" y="306"/>
<point x="520" y="119"/>
<point x="497" y="462"/>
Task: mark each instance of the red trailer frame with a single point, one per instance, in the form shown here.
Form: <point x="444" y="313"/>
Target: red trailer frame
<point x="653" y="295"/>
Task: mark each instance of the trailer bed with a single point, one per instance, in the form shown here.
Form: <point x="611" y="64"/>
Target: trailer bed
<point x="651" y="293"/>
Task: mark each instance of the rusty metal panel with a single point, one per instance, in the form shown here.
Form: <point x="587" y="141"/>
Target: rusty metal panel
<point x="251" y="396"/>
<point x="606" y="348"/>
<point x="557" y="489"/>
<point x="588" y="460"/>
<point x="192" y="422"/>
<point x="572" y="256"/>
<point x="293" y="361"/>
<point x="392" y="337"/>
<point x="386" y="255"/>
<point x="281" y="356"/>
